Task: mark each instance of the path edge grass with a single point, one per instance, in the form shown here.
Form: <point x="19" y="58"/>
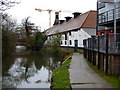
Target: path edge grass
<point x="112" y="79"/>
<point x="60" y="76"/>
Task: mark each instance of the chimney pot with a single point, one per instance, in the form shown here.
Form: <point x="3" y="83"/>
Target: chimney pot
<point x="68" y="18"/>
<point x="76" y="14"/>
<point x="56" y="18"/>
<point x="61" y="21"/>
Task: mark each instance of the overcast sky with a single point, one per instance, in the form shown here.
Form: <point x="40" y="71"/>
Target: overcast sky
<point x="27" y="8"/>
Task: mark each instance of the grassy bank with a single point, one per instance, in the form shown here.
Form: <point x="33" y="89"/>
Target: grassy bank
<point x="60" y="76"/>
<point x="112" y="79"/>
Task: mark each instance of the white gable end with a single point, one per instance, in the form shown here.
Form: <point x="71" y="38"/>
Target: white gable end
<point x="79" y="35"/>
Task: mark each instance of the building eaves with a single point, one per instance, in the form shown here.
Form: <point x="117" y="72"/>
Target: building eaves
<point x="73" y="24"/>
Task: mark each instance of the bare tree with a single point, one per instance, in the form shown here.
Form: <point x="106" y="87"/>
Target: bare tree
<point x="6" y="22"/>
<point x="7" y="4"/>
<point x="27" y="26"/>
<point x="8" y="36"/>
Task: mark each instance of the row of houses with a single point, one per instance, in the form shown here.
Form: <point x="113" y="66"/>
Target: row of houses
<point x="75" y="29"/>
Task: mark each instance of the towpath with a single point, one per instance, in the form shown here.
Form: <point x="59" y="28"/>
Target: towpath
<point x="82" y="76"/>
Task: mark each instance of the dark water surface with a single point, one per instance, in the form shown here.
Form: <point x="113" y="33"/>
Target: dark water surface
<point x="33" y="70"/>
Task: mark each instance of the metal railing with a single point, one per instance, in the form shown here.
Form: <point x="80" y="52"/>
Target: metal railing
<point x="109" y="42"/>
<point x="109" y="15"/>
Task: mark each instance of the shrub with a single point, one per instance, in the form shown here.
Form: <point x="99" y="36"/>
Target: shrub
<point x="37" y="42"/>
<point x="8" y="42"/>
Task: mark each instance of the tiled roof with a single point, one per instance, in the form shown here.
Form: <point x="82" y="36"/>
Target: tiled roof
<point x="85" y="20"/>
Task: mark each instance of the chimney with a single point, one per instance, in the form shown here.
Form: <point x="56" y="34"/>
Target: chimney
<point x="61" y="21"/>
<point x="56" y="18"/>
<point x="68" y="18"/>
<point x="76" y="14"/>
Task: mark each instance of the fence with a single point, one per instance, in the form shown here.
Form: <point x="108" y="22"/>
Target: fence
<point x="109" y="42"/>
<point x="100" y="51"/>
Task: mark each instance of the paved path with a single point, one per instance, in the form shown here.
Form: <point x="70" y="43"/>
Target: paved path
<point x="82" y="76"/>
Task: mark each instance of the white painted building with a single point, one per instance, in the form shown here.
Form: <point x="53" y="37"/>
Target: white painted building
<point x="74" y="30"/>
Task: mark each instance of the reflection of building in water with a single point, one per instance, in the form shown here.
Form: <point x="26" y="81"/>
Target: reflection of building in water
<point x="20" y="49"/>
<point x="17" y="74"/>
<point x="50" y="62"/>
<point x="32" y="71"/>
<point x="52" y="65"/>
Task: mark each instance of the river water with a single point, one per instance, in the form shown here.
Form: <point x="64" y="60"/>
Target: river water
<point x="33" y="70"/>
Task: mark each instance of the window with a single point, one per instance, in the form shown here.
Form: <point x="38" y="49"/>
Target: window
<point x="65" y="43"/>
<point x="102" y="33"/>
<point x="118" y="4"/>
<point x="100" y="5"/>
<point x="70" y="42"/>
<point x="65" y="36"/>
<point x="61" y="43"/>
<point x="69" y="32"/>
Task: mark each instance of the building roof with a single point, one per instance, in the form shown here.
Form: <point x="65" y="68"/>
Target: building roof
<point x="85" y="20"/>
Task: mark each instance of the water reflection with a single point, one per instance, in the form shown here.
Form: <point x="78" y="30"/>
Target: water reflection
<point x="33" y="70"/>
<point x="20" y="49"/>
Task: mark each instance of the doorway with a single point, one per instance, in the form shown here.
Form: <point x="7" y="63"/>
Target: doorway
<point x="76" y="45"/>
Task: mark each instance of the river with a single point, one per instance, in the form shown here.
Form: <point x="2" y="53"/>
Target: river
<point x="33" y="70"/>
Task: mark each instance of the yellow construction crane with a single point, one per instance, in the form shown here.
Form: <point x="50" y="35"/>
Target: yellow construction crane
<point x="49" y="12"/>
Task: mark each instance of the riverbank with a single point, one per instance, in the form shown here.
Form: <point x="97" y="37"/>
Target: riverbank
<point x="60" y="76"/>
<point x="27" y="52"/>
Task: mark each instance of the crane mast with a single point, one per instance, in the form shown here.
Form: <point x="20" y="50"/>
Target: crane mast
<point x="49" y="12"/>
<point x="49" y="18"/>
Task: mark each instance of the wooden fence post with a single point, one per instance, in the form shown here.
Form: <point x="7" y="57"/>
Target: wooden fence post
<point x="93" y="55"/>
<point x="107" y="43"/>
<point x="98" y="52"/>
<point x="88" y="49"/>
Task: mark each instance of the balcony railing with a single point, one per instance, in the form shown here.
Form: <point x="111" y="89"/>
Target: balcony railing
<point x="108" y="16"/>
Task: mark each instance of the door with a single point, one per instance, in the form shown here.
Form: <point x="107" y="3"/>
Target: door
<point x="76" y="45"/>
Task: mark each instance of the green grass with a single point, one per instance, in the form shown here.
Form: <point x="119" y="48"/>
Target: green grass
<point x="112" y="79"/>
<point x="80" y="51"/>
<point x="60" y="76"/>
<point x="68" y="56"/>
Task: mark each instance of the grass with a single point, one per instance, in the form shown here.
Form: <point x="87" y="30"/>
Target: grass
<point x="60" y="76"/>
<point x="80" y="51"/>
<point x="112" y="79"/>
<point x="68" y="56"/>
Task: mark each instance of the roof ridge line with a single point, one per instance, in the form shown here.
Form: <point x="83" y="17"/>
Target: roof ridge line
<point x="86" y="18"/>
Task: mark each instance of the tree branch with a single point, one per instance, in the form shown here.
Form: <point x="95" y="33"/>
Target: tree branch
<point x="7" y="4"/>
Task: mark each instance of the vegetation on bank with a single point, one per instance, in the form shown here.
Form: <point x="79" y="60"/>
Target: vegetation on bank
<point x="60" y="75"/>
<point x="8" y="36"/>
<point x="112" y="79"/>
<point x="8" y="45"/>
<point x="53" y="46"/>
<point x="36" y="43"/>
